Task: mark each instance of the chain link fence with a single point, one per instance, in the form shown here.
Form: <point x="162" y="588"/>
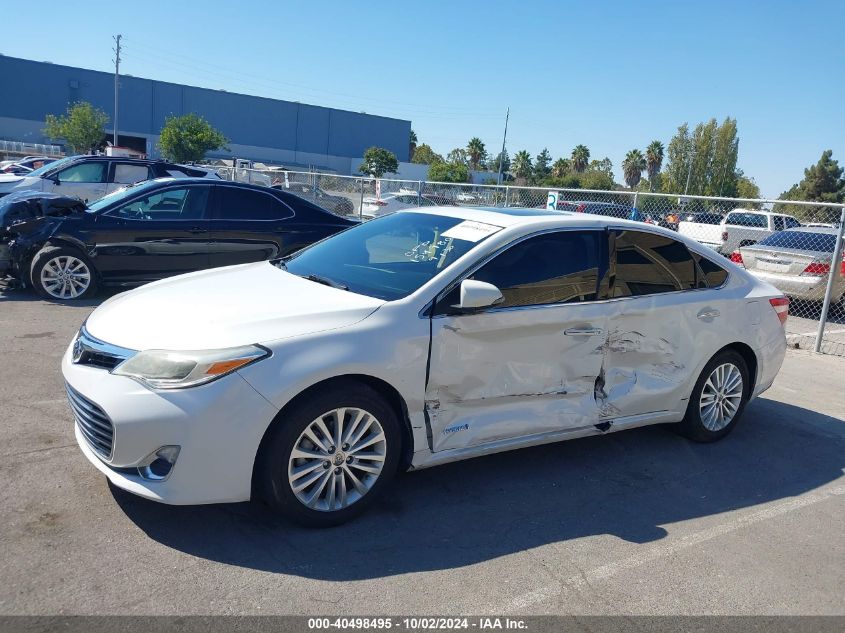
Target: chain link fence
<point x="795" y="246"/>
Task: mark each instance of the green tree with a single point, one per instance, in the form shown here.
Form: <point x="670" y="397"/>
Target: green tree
<point x="188" y="138"/>
<point x="412" y="145"/>
<point x="560" y="168"/>
<point x="822" y="182"/>
<point x="605" y="166"/>
<point x="580" y="158"/>
<point x="458" y="156"/>
<point x="747" y="188"/>
<point x="632" y="167"/>
<point x="705" y="158"/>
<point x="378" y="162"/>
<point x="654" y="162"/>
<point x="541" y="165"/>
<point x="82" y="127"/>
<point x="521" y="166"/>
<point x="504" y="159"/>
<point x="424" y="154"/>
<point x="448" y="172"/>
<point x="476" y="152"/>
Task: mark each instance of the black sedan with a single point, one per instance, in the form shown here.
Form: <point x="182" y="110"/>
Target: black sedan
<point x="160" y="228"/>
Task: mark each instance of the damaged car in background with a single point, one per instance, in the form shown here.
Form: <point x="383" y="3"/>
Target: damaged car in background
<point x="65" y="249"/>
<point x="420" y="338"/>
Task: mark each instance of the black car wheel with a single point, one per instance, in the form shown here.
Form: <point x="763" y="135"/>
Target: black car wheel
<point x="63" y="273"/>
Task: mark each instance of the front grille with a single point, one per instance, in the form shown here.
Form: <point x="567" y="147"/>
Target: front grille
<point x="92" y="422"/>
<point x="100" y="359"/>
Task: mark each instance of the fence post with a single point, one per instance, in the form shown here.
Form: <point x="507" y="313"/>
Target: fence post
<point x="419" y="192"/>
<point x="634" y="204"/>
<point x="361" y="206"/>
<point x="835" y="265"/>
<point x="507" y="195"/>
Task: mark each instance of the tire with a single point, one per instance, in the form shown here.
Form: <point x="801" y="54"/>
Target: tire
<point x="62" y="273"/>
<point x="704" y="424"/>
<point x="332" y="468"/>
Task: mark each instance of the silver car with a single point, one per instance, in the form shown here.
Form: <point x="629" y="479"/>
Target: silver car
<point x="797" y="262"/>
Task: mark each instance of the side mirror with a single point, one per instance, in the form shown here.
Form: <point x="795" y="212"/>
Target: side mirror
<point x="478" y="294"/>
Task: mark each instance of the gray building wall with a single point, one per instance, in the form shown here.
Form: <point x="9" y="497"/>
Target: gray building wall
<point x="258" y="128"/>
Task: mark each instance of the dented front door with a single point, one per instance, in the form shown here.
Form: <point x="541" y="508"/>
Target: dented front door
<point x="529" y="365"/>
<point x="513" y="373"/>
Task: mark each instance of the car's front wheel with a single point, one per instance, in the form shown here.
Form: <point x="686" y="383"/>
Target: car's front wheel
<point x="62" y="273"/>
<point x="330" y="455"/>
<point x="718" y="398"/>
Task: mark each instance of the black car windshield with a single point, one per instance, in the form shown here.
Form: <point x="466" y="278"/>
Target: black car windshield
<point x="120" y="194"/>
<point x="392" y="256"/>
<point x="58" y="164"/>
<point x="802" y="240"/>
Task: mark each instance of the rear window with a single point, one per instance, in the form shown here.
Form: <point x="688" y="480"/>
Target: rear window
<point x="801" y="240"/>
<point x="756" y="220"/>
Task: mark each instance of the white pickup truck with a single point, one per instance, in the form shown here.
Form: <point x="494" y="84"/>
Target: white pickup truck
<point x="740" y="227"/>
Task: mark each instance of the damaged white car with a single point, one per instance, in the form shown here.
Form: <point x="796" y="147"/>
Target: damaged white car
<point x="416" y="339"/>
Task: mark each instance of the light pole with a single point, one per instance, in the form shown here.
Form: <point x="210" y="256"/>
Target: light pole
<point x="116" y="83"/>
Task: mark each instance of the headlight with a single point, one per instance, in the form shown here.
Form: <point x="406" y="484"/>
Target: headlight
<point x="161" y="369"/>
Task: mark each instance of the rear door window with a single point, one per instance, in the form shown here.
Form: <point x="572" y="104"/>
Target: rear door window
<point x="235" y="203"/>
<point x="753" y="220"/>
<point x="128" y="173"/>
<point x="647" y="263"/>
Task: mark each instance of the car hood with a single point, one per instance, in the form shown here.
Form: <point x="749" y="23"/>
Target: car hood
<point x="9" y="182"/>
<point x="225" y="307"/>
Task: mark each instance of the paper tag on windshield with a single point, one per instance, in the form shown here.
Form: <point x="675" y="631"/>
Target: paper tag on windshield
<point x="471" y="231"/>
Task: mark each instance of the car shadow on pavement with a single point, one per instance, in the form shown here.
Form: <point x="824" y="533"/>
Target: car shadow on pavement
<point x="625" y="484"/>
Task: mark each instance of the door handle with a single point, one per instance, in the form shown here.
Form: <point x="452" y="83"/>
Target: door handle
<point x="583" y="331"/>
<point x="708" y="314"/>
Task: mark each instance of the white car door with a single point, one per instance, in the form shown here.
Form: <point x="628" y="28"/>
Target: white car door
<point x="85" y="180"/>
<point x="529" y="365"/>
<point x="667" y="318"/>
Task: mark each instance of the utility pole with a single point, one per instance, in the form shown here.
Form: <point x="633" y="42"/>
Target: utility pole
<point x="116" y="50"/>
<point x="504" y="139"/>
<point x="691" y="155"/>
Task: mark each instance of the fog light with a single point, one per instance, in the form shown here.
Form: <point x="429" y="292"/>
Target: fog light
<point x="158" y="465"/>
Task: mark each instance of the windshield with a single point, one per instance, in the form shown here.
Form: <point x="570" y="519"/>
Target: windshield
<point x="121" y="193"/>
<point x="392" y="256"/>
<point x="51" y="166"/>
<point x="802" y="240"/>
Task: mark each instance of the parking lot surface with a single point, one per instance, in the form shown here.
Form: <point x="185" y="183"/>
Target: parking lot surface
<point x="638" y="522"/>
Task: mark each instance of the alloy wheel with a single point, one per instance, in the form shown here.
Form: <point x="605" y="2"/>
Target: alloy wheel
<point x="721" y="397"/>
<point x="65" y="277"/>
<point x="337" y="459"/>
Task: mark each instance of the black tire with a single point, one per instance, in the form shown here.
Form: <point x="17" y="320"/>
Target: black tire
<point x="692" y="426"/>
<point x="49" y="254"/>
<point x="271" y="473"/>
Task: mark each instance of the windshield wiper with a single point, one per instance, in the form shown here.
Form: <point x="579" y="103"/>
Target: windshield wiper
<point x="326" y="282"/>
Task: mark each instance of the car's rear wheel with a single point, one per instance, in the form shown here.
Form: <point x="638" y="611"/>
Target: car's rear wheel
<point x="330" y="455"/>
<point x="62" y="273"/>
<point x="718" y="398"/>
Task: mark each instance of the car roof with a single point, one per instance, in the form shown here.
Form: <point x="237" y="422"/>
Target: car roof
<point x="815" y="229"/>
<point x="517" y="216"/>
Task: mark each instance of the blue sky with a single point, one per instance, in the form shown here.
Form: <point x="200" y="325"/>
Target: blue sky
<point x="611" y="75"/>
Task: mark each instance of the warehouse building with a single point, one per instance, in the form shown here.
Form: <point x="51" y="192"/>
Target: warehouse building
<point x="269" y="130"/>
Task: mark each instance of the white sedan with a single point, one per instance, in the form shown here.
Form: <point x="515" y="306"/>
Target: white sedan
<point x="420" y="338"/>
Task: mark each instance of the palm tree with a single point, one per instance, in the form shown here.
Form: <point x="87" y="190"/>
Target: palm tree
<point x="412" y="145"/>
<point x="560" y="168"/>
<point x="521" y="165"/>
<point x="476" y="152"/>
<point x="632" y="167"/>
<point x="654" y="161"/>
<point x="580" y="158"/>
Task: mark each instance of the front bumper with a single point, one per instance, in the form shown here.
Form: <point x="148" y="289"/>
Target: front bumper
<point x="218" y="427"/>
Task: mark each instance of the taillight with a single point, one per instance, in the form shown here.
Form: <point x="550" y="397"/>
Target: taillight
<point x="781" y="307"/>
<point x="817" y="269"/>
<point x="580" y="208"/>
<point x="724" y="236"/>
<point x="736" y="258"/>
<point x="379" y="203"/>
